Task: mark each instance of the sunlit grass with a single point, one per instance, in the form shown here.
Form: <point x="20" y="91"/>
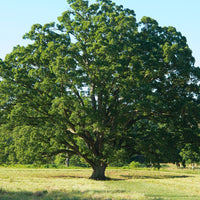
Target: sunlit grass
<point x="60" y="184"/>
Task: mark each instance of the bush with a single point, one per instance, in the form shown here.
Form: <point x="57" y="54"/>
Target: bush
<point x="134" y="164"/>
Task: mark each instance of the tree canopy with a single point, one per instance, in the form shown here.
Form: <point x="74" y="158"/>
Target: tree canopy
<point x="98" y="83"/>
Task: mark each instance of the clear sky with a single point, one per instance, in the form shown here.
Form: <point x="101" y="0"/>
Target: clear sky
<point x="17" y="17"/>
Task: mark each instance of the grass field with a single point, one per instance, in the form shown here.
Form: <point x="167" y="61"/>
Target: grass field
<point x="63" y="184"/>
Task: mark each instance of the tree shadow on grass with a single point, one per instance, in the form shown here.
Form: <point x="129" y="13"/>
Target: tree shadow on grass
<point x="40" y="195"/>
<point x="81" y="177"/>
<point x="124" y="177"/>
<point x="66" y="177"/>
<point x="74" y="195"/>
<point x="153" y="176"/>
<point x="44" y="195"/>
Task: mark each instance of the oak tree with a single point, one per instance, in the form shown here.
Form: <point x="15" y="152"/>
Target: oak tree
<point x="98" y="82"/>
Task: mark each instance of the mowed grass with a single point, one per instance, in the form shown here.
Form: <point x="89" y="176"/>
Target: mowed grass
<point x="62" y="184"/>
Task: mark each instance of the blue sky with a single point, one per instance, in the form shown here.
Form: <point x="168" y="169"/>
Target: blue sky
<point x="17" y="17"/>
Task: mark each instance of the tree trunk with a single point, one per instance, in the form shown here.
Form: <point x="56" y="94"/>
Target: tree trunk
<point x="67" y="162"/>
<point x="99" y="172"/>
<point x="67" y="159"/>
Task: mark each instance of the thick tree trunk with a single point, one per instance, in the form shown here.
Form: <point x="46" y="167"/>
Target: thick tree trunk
<point x="99" y="172"/>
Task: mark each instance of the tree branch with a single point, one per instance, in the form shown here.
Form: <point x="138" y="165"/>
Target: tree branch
<point x="92" y="96"/>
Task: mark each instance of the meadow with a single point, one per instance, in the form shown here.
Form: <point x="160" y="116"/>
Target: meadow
<point x="63" y="184"/>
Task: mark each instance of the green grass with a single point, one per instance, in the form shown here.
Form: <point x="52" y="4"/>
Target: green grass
<point x="63" y="184"/>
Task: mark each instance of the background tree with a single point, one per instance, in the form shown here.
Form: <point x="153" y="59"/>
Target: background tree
<point x="87" y="82"/>
<point x="6" y="143"/>
<point x="191" y="154"/>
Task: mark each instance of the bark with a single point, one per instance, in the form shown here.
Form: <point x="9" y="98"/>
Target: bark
<point x="67" y="162"/>
<point x="99" y="172"/>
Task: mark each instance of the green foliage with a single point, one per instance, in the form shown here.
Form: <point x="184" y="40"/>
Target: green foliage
<point x="7" y="150"/>
<point x="100" y="85"/>
<point x="76" y="161"/>
<point x="118" y="158"/>
<point x="191" y="153"/>
<point x="134" y="164"/>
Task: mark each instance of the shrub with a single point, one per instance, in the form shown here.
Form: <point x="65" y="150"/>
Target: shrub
<point x="134" y="164"/>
